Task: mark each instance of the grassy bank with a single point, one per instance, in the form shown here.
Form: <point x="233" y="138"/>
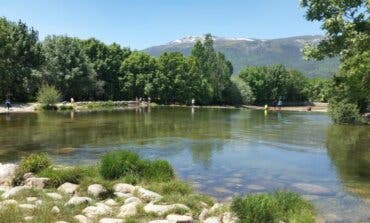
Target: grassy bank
<point x="156" y="176"/>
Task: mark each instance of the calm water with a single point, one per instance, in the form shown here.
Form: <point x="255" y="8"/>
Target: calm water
<point x="222" y="152"/>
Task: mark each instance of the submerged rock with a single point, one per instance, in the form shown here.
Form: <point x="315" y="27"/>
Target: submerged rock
<point x="312" y="188"/>
<point x="68" y="188"/>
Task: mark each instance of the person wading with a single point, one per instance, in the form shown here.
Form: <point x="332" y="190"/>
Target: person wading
<point x="8" y="103"/>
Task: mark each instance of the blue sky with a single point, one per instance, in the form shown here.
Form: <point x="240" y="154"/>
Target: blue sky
<point x="143" y="23"/>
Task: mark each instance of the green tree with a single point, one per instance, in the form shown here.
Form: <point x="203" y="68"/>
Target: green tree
<point x="106" y="60"/>
<point x="68" y="68"/>
<point x="48" y="95"/>
<point x="347" y="26"/>
<point x="138" y="72"/>
<point x="19" y="55"/>
<point x="239" y="92"/>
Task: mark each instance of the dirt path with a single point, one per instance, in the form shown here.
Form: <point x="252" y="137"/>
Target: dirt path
<point x="17" y="108"/>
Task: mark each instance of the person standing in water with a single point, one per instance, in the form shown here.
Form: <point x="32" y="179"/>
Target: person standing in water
<point x="8" y="103"/>
<point x="280" y="104"/>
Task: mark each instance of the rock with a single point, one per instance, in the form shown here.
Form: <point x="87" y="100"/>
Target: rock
<point x="31" y="199"/>
<point x="175" y="218"/>
<point x="38" y="202"/>
<point x="37" y="182"/>
<point x="96" y="190"/>
<point x="99" y="210"/>
<point x="111" y="220"/>
<point x="68" y="188"/>
<point x="27" y="206"/>
<point x="161" y="209"/>
<point x="5" y="188"/>
<point x="229" y="217"/>
<point x="14" y="191"/>
<point x="78" y="200"/>
<point x="312" y="188"/>
<point x="54" y="196"/>
<point x="212" y="220"/>
<point x="7" y="173"/>
<point x="132" y="199"/>
<point x="203" y="204"/>
<point x="55" y="210"/>
<point x="128" y="210"/>
<point x="110" y="202"/>
<point x="28" y="218"/>
<point x="148" y="195"/>
<point x="61" y="222"/>
<point x="28" y="175"/>
<point x="81" y="219"/>
<point x="203" y="214"/>
<point x="122" y="195"/>
<point x="124" y="188"/>
<point x="215" y="207"/>
<point x="159" y="221"/>
<point x="255" y="187"/>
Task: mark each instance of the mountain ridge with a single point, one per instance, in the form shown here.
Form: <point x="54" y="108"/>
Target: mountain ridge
<point x="244" y="52"/>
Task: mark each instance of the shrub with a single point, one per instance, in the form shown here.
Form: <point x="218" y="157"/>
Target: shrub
<point x="344" y="113"/>
<point x="59" y="176"/>
<point x="157" y="170"/>
<point x="278" y="206"/>
<point x="118" y="164"/>
<point x="35" y="163"/>
<point x="48" y="95"/>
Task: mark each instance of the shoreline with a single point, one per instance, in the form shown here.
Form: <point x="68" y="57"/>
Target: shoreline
<point x="122" y="105"/>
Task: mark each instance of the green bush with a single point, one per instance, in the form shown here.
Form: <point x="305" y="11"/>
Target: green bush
<point x="59" y="176"/>
<point x="278" y="206"/>
<point x="48" y="95"/>
<point x="35" y="163"/>
<point x="118" y="164"/>
<point x="157" y="170"/>
<point x="344" y="113"/>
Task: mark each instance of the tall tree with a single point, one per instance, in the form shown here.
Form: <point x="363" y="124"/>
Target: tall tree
<point x="68" y="68"/>
<point x="19" y="54"/>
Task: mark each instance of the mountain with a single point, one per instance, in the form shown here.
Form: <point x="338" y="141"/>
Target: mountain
<point x="243" y="52"/>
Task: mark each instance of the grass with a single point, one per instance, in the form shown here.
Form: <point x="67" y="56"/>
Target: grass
<point x="278" y="206"/>
<point x="33" y="163"/>
<point x="61" y="175"/>
<point x="11" y="214"/>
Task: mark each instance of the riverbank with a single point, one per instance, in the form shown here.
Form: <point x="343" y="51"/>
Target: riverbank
<point x="120" y="105"/>
<point x="125" y="188"/>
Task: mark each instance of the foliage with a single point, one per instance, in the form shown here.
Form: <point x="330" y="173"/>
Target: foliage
<point x="347" y="26"/>
<point x="276" y="82"/>
<point x="10" y="214"/>
<point x="318" y="89"/>
<point x="239" y="92"/>
<point x="157" y="170"/>
<point x="278" y="206"/>
<point x="344" y="113"/>
<point x="35" y="163"/>
<point x="48" y="95"/>
<point x="117" y="164"/>
<point x="58" y="176"/>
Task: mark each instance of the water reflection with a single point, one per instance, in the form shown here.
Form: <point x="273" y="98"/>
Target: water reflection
<point x="349" y="150"/>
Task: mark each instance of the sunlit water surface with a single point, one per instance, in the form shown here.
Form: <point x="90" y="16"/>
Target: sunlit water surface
<point x="221" y="152"/>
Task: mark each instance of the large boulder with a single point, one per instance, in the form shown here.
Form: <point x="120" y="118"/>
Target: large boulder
<point x="147" y="195"/>
<point x="123" y="188"/>
<point x="68" y="188"/>
<point x="175" y="218"/>
<point x="15" y="190"/>
<point x="7" y="173"/>
<point x="78" y="201"/>
<point x="96" y="190"/>
<point x="37" y="182"/>
<point x="99" y="209"/>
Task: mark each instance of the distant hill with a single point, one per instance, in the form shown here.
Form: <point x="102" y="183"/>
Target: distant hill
<point x="245" y="51"/>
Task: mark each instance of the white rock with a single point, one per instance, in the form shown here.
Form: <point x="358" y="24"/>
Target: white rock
<point x="14" y="191"/>
<point x="54" y="196"/>
<point x="148" y="195"/>
<point x="61" y="222"/>
<point x="161" y="209"/>
<point x="229" y="217"/>
<point x="132" y="199"/>
<point x="159" y="221"/>
<point x="68" y="188"/>
<point x="28" y="175"/>
<point x="111" y="220"/>
<point x="8" y="202"/>
<point x="27" y="206"/>
<point x="38" y="202"/>
<point x="96" y="190"/>
<point x="7" y="173"/>
<point x="81" y="219"/>
<point x="124" y="188"/>
<point x="99" y="210"/>
<point x="212" y="220"/>
<point x="31" y="199"/>
<point x="78" y="200"/>
<point x="55" y="210"/>
<point x="37" y="182"/>
<point x="175" y="218"/>
<point x="5" y="188"/>
<point x="110" y="202"/>
<point x="28" y="218"/>
<point x="128" y="210"/>
<point x="215" y="207"/>
<point x="203" y="214"/>
<point x="122" y="195"/>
